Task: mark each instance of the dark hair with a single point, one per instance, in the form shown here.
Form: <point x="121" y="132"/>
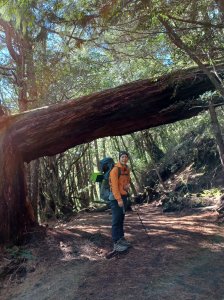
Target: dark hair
<point x="123" y="153"/>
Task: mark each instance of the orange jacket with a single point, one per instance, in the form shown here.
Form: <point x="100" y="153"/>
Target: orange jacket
<point x="119" y="184"/>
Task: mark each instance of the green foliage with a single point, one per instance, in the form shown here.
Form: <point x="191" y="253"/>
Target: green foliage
<point x="214" y="192"/>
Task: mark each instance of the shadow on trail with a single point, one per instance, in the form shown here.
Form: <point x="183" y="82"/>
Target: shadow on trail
<point x="174" y="256"/>
<point x="181" y="256"/>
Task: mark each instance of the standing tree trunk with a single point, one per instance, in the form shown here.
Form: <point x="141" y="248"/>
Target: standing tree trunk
<point x="149" y="147"/>
<point x="104" y="147"/>
<point x="139" y="146"/>
<point x="217" y="132"/>
<point x="15" y="215"/>
<point x="20" y="47"/>
<point x="97" y="154"/>
<point x="154" y="151"/>
<point x="33" y="185"/>
<point x="85" y="177"/>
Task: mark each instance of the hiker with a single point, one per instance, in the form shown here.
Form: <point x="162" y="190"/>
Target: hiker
<point x="119" y="184"/>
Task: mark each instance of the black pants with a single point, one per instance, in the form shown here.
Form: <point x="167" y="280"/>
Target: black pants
<point x="117" y="219"/>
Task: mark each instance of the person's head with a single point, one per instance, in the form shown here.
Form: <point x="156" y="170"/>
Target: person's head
<point x="123" y="157"/>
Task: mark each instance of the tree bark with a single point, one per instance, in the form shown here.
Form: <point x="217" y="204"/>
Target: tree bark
<point x="54" y="129"/>
<point x="154" y="151"/>
<point x="14" y="209"/>
<point x="96" y="152"/>
<point x="217" y="132"/>
<point x="149" y="144"/>
<point x="128" y="108"/>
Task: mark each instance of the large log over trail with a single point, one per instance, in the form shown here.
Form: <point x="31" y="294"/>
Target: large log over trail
<point x="51" y="130"/>
<point x="125" y="109"/>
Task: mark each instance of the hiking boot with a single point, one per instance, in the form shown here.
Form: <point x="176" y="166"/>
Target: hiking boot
<point x="119" y="247"/>
<point x="124" y="242"/>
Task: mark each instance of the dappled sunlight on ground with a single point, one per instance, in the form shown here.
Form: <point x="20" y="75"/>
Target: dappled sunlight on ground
<point x="174" y="255"/>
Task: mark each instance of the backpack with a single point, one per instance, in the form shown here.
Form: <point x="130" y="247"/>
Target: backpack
<point x="106" y="165"/>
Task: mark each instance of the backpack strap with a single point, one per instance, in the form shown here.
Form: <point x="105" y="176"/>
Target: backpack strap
<point x="120" y="173"/>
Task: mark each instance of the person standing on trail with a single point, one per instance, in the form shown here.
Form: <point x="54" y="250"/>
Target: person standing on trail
<point x="119" y="184"/>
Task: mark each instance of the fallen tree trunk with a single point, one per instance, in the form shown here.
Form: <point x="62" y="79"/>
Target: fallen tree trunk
<point x="118" y="111"/>
<point x="54" y="129"/>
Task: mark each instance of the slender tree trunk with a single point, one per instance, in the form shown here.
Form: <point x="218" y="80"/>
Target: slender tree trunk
<point x="97" y="154"/>
<point x="81" y="194"/>
<point x="116" y="144"/>
<point x="139" y="147"/>
<point x="31" y="75"/>
<point x="85" y="177"/>
<point x="104" y="146"/>
<point x="148" y="147"/>
<point x="33" y="185"/>
<point x="90" y="168"/>
<point x="32" y="102"/>
<point x="217" y="132"/>
<point x="155" y="152"/>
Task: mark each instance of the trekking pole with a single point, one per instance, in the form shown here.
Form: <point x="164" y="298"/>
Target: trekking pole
<point x="140" y="219"/>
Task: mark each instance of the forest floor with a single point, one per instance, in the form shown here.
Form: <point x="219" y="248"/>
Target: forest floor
<point x="180" y="257"/>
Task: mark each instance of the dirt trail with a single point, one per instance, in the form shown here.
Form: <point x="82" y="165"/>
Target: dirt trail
<point x="182" y="257"/>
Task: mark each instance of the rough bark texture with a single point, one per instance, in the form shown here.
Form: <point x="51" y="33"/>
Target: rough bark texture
<point x="14" y="210"/>
<point x="125" y="109"/>
<point x="54" y="129"/>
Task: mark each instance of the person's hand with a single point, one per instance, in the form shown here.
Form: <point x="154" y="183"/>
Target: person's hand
<point x="120" y="203"/>
<point x="127" y="187"/>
